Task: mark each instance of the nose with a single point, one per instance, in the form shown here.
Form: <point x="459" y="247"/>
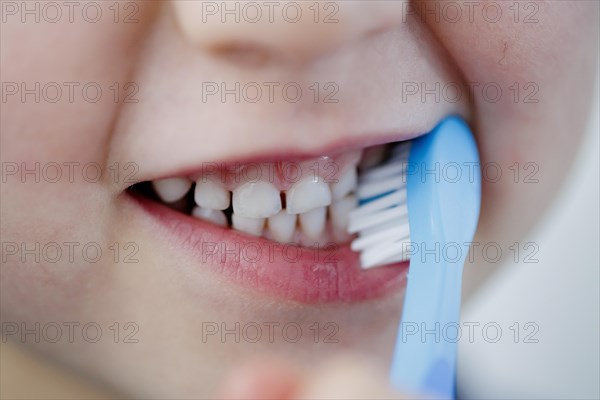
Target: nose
<point x="288" y="29"/>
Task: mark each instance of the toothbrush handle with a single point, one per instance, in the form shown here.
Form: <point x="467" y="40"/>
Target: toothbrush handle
<point x="424" y="359"/>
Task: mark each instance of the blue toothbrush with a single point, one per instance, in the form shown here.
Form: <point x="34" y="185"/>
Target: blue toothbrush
<point x="423" y="204"/>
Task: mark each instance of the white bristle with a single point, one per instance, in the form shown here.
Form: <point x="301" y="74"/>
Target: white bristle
<point x="403" y="220"/>
<point x="367" y="221"/>
<point x="364" y="242"/>
<point x="379" y="254"/>
<point x="370" y="189"/>
<point x="384" y="171"/>
<point x="389" y="200"/>
<point x="382" y="220"/>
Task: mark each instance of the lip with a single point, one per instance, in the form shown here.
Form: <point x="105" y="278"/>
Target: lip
<point x="286" y="271"/>
<point x="149" y="172"/>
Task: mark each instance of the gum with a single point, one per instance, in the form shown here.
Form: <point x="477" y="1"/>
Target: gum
<point x="282" y="174"/>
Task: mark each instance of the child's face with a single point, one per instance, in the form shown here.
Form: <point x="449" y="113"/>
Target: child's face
<point x="392" y="73"/>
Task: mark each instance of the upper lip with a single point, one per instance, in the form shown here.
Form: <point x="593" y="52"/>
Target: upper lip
<point x="287" y="155"/>
<point x="184" y="167"/>
<point x="171" y="130"/>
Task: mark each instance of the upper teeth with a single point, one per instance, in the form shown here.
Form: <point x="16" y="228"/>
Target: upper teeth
<point x="257" y="207"/>
<point x="307" y="194"/>
<point x="345" y="184"/>
<point x="172" y="189"/>
<point x="256" y="200"/>
<point x="212" y="195"/>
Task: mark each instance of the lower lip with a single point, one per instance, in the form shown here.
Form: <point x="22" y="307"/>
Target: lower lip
<point x="325" y="275"/>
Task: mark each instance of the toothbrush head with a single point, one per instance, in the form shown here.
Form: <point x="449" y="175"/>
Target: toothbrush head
<point x="428" y="189"/>
<point x="381" y="220"/>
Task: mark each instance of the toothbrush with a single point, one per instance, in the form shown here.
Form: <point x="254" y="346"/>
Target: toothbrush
<point x="425" y="198"/>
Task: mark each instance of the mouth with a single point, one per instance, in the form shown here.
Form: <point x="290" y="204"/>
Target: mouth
<point x="277" y="227"/>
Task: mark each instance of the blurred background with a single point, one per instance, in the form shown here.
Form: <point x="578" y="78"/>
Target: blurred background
<point x="559" y="295"/>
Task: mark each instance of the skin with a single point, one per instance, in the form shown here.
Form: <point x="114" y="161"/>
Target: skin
<point x="168" y="56"/>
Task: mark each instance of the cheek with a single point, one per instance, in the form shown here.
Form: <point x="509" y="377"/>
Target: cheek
<point x="523" y="60"/>
<point x="64" y="84"/>
<point x="545" y="69"/>
<point x="62" y="89"/>
<point x="55" y="243"/>
<point x="529" y="54"/>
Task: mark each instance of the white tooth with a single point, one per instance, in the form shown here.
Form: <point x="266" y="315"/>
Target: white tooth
<point x="346" y="184"/>
<point x="282" y="226"/>
<point x="339" y="214"/>
<point x="172" y="189"/>
<point x="215" y="216"/>
<point x="307" y="194"/>
<point x="256" y="200"/>
<point x="312" y="222"/>
<point x="211" y="194"/>
<point x="252" y="226"/>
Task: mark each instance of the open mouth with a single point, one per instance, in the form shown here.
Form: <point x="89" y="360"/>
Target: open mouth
<point x="279" y="226"/>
